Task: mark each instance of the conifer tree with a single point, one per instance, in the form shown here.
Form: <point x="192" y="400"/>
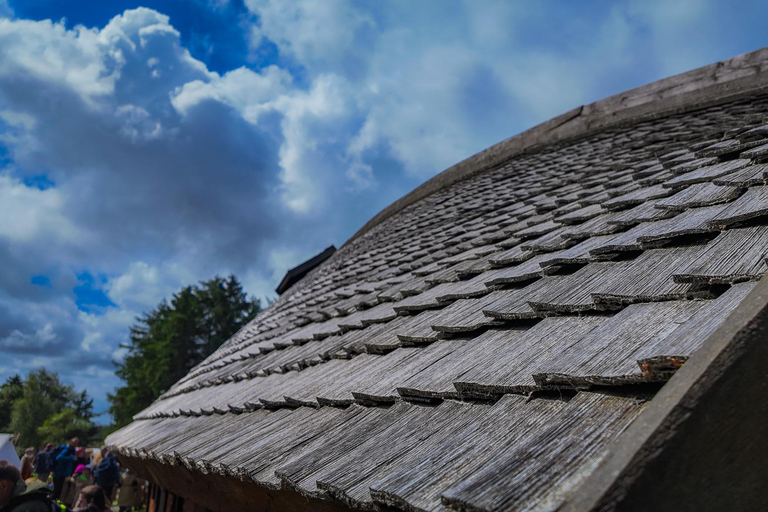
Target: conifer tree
<point x="171" y="339"/>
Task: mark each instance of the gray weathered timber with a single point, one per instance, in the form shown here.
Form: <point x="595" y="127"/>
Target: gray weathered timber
<point x="574" y="293"/>
<point x="511" y="370"/>
<point x="642" y="213"/>
<point x="576" y="255"/>
<point x="578" y="216"/>
<point x="649" y="278"/>
<point x="754" y="203"/>
<point x="521" y="477"/>
<point x="597" y="226"/>
<point x="711" y="84"/>
<point x="756" y="152"/>
<point x="553" y="241"/>
<point x="746" y="177"/>
<point x="636" y="197"/>
<point x="344" y="453"/>
<point x="692" y="165"/>
<point x="699" y="194"/>
<point x="466" y="315"/>
<point x="690" y="222"/>
<point x="707" y="173"/>
<point x="701" y="443"/>
<point x="510" y="256"/>
<point x="608" y="355"/>
<point x="537" y="230"/>
<point x="688" y="337"/>
<point x="513" y="304"/>
<point x="726" y="147"/>
<point x="735" y="255"/>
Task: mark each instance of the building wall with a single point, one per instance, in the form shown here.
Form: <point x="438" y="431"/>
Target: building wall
<point x="177" y="489"/>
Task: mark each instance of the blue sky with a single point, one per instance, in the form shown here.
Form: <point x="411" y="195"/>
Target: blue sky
<point x="146" y="146"/>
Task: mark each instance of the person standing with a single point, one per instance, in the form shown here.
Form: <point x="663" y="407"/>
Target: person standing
<point x="18" y="496"/>
<point x="26" y="463"/>
<point x="42" y="463"/>
<point x="107" y="474"/>
<point x="131" y="492"/>
<point x="64" y="465"/>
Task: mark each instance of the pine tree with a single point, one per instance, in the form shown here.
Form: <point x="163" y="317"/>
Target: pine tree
<point x="171" y="339"/>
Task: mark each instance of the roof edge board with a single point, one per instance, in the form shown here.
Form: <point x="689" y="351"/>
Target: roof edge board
<point x="680" y="447"/>
<point x="702" y="87"/>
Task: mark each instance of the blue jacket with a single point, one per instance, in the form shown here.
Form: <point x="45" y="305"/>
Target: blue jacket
<point x="65" y="461"/>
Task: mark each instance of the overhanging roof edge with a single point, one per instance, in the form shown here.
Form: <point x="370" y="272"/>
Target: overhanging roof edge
<point x="647" y="440"/>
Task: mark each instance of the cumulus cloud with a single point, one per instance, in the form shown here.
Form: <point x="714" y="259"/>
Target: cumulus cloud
<point x="325" y="34"/>
<point x="138" y="288"/>
<point x="30" y="213"/>
<point x="250" y="93"/>
<point x="434" y="85"/>
<point x="48" y="52"/>
<point x="103" y="176"/>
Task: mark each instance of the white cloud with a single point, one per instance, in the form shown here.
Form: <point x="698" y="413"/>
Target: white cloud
<point x="416" y="75"/>
<point x="311" y="120"/>
<point x="29" y="213"/>
<point x="248" y="92"/>
<point x="311" y="31"/>
<point x="142" y="285"/>
<point x="137" y="124"/>
<point x="50" y="53"/>
<point x="145" y="199"/>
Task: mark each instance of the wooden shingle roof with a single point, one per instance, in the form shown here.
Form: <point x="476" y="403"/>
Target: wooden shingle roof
<point x="482" y="347"/>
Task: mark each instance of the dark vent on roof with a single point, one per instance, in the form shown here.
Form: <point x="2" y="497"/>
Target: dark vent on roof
<point x="295" y="274"/>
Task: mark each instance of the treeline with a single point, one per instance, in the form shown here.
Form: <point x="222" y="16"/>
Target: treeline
<point x="171" y="339"/>
<point x="165" y="344"/>
<point x="41" y="408"/>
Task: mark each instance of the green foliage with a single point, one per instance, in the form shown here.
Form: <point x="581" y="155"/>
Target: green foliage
<point x="10" y="391"/>
<point x="41" y="409"/>
<point x="171" y="339"/>
<point x="66" y="424"/>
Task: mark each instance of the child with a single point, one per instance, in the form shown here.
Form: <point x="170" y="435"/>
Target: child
<point x="82" y="478"/>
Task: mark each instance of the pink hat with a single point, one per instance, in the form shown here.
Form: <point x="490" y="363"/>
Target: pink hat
<point x="79" y="469"/>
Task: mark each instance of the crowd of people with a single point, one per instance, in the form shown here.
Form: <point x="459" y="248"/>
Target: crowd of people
<point x="68" y="477"/>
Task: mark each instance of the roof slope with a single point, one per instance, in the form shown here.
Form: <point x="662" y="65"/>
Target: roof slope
<point x="482" y="347"/>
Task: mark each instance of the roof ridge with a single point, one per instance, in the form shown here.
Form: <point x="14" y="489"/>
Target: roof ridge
<point x="706" y="86"/>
